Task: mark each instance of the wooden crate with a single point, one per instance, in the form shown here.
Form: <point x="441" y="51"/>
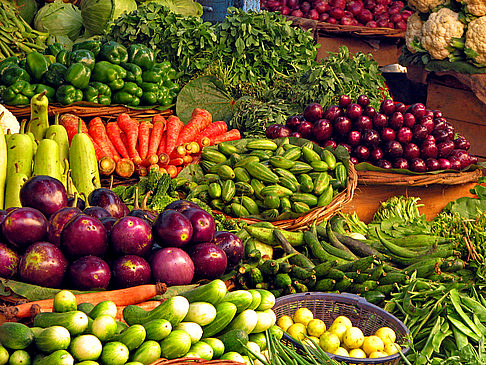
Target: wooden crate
<point x="367" y="198"/>
<point x="384" y="50"/>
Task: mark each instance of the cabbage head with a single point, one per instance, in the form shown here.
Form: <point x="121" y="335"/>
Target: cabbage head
<point x="98" y="14"/>
<point x="59" y="19"/>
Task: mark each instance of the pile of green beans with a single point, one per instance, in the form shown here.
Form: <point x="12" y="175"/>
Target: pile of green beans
<point x="446" y="321"/>
<point x="17" y="38"/>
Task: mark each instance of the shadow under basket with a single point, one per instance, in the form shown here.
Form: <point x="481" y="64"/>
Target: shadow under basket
<point x="366" y="316"/>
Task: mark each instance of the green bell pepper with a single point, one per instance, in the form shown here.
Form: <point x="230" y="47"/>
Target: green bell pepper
<point x="78" y="74"/>
<point x="13" y="73"/>
<point x="150" y="97"/>
<point x="116" y="84"/>
<point x="63" y="57"/>
<point x="55" y="75"/>
<point x="150" y="87"/>
<point x="142" y="56"/>
<point x="122" y="97"/>
<point x="68" y="94"/>
<point x="19" y="93"/>
<point x="54" y="49"/>
<point x="113" y="52"/>
<point x="98" y="92"/>
<point x="154" y="75"/>
<point x="172" y="86"/>
<point x="134" y="72"/>
<point x="36" y="65"/>
<point x="8" y="62"/>
<point x="106" y="72"/>
<point x="82" y="56"/>
<point x="132" y="88"/>
<point x="165" y="97"/>
<point x="39" y="88"/>
<point x="92" y="45"/>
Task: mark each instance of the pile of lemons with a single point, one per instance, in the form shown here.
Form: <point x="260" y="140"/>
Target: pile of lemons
<point x="341" y="338"/>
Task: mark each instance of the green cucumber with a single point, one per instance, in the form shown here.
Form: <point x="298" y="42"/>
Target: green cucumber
<point x="227" y="148"/>
<point x="243" y="188"/>
<point x="266" y="319"/>
<point x="234" y="340"/>
<point x="210" y="154"/>
<point x="228" y="191"/>
<point x="245" y="160"/>
<point x="147" y="352"/>
<point x="306" y="183"/>
<point x="239" y="210"/>
<point x="250" y="205"/>
<point x="114" y="353"/>
<point x="132" y="337"/>
<point x="214" y="190"/>
<point x="300" y="207"/>
<point x="225" y="172"/>
<point x="246" y="320"/>
<point x="216" y="344"/>
<point x="287" y="174"/>
<point x="300" y="168"/>
<point x="157" y="329"/>
<point x="225" y="312"/>
<point x="326" y="197"/>
<point x="292" y="153"/>
<point x="192" y="329"/>
<point x="75" y="322"/>
<point x="176" y="345"/>
<point x="276" y="190"/>
<point x="201" y="313"/>
<point x="241" y="298"/>
<point x="173" y="309"/>
<point x="203" y="350"/>
<point x="319" y="166"/>
<point x="321" y="182"/>
<point x="281" y="162"/>
<point x="262" y="144"/>
<point x="267" y="300"/>
<point x="104" y="327"/>
<point x="53" y="338"/>
<point x="310" y="155"/>
<point x="241" y="175"/>
<point x="271" y="201"/>
<point x="212" y="292"/>
<point x="261" y="172"/>
<point x="85" y="347"/>
<point x="257" y="186"/>
<point x="106" y="307"/>
<point x="256" y="298"/>
<point x="59" y="357"/>
<point x="309" y="199"/>
<point x="64" y="301"/>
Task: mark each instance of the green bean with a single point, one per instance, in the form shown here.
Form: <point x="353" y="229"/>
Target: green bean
<point x="461" y="338"/>
<point x="439" y="337"/>
<point x="456" y="303"/>
<point x="461" y="327"/>
<point x="474" y="306"/>
<point x="478" y="324"/>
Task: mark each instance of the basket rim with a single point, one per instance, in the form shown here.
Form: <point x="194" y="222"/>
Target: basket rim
<point x="358" y="301"/>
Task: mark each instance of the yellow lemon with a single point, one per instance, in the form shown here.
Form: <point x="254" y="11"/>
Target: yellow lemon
<point x="285" y="322"/>
<point x="386" y="334"/>
<point x="297" y="331"/>
<point x="353" y="338"/>
<point x="341" y="351"/>
<point x="316" y="327"/>
<point x="338" y="329"/>
<point x="329" y="342"/>
<point x="392" y="348"/>
<point x="372" y="344"/>
<point x="343" y="319"/>
<point x="377" y="354"/>
<point x="303" y="315"/>
<point x="360" y="354"/>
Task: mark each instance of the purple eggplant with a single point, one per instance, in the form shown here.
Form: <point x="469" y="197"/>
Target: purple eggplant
<point x="89" y="273"/>
<point x="24" y="226"/>
<point x="130" y="270"/>
<point x="203" y="226"/>
<point x="44" y="193"/>
<point x="131" y="236"/>
<point x="172" y="229"/>
<point x="108" y="200"/>
<point x="9" y="262"/>
<point x="84" y="235"/>
<point x="57" y="221"/>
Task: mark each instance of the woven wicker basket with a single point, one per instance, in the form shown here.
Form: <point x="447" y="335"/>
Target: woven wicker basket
<point x="366" y="316"/>
<point x="346" y="29"/>
<point x="317" y="214"/>
<point x="191" y="360"/>
<point x="102" y="111"/>
<point x="445" y="178"/>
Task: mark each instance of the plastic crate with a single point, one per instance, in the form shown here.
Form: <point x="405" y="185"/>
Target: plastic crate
<point x="366" y="316"/>
<point x="215" y="10"/>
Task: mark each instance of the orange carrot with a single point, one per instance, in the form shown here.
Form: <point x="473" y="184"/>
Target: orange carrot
<point x="232" y="135"/>
<point x="174" y="127"/>
<point x="187" y="159"/>
<point x="97" y="131"/>
<point x="179" y="151"/>
<point x="163" y="159"/>
<point x="200" y="119"/>
<point x="172" y="171"/>
<point x="130" y="127"/>
<point x="125" y="168"/>
<point x="155" y="137"/>
<point x="213" y="130"/>
<point x="153" y="167"/>
<point x="121" y="297"/>
<point x="143" y="139"/>
<point x="176" y="161"/>
<point x="114" y="134"/>
<point x="150" y="160"/>
<point x="163" y="143"/>
<point x="141" y="170"/>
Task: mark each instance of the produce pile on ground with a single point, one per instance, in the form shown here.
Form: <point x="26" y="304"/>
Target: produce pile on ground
<point x="393" y="136"/>
<point x="207" y="322"/>
<point x="94" y="71"/>
<point x="368" y="13"/>
<point x="446" y="35"/>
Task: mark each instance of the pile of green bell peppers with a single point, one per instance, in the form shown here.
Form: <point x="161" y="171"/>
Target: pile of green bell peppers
<point x="93" y="71"/>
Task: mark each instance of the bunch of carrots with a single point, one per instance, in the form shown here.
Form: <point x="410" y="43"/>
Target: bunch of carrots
<point x="127" y="146"/>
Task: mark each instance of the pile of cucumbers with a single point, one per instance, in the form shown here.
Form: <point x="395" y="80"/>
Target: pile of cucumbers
<point x="264" y="178"/>
<point x="323" y="260"/>
<point x="207" y="322"/>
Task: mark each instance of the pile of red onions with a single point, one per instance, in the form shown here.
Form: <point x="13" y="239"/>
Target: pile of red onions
<point x="369" y="13"/>
<point x="395" y="136"/>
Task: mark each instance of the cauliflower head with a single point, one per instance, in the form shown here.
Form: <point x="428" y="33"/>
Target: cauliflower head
<point x="414" y="30"/>
<point x="425" y="6"/>
<point x="8" y="121"/>
<point x="475" y="7"/>
<point x="438" y="31"/>
<point x="476" y="39"/>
